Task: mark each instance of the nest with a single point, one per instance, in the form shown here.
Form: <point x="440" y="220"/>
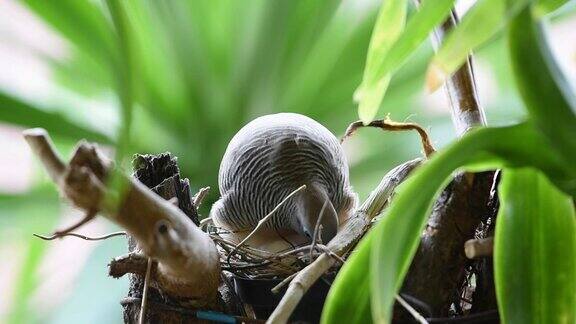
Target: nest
<point x="247" y="262"/>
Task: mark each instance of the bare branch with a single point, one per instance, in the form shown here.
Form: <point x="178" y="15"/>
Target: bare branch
<point x="133" y="262"/>
<point x="43" y="147"/>
<point x="479" y="248"/>
<point x="145" y="291"/>
<point x="188" y="261"/>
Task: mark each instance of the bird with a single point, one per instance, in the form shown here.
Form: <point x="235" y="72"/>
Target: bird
<point x="267" y="160"/>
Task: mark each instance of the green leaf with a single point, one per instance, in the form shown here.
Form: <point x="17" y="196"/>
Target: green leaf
<point x="345" y="305"/>
<point x="389" y="26"/>
<point x="124" y="75"/>
<point x="312" y="73"/>
<point x="544" y="7"/>
<point x="546" y="93"/>
<point x="395" y="238"/>
<point x="17" y="112"/>
<point x="26" y="283"/>
<point x="535" y="245"/>
<point x="124" y="90"/>
<point x="22" y="215"/>
<point x="482" y="22"/>
<point x="429" y="15"/>
<point x="81" y="22"/>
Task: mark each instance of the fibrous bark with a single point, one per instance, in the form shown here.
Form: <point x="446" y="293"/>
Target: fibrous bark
<point x="160" y="173"/>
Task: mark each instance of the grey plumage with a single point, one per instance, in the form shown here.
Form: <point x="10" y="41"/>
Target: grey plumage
<point x="268" y="159"/>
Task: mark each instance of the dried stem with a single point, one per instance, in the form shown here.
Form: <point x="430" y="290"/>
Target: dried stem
<point x="145" y="291"/>
<point x="283" y="283"/>
<point x="199" y="196"/>
<point x="417" y="316"/>
<point x="84" y="237"/>
<point x="389" y="125"/>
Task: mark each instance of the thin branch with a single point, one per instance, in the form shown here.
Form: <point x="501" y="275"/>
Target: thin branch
<point x="88" y="217"/>
<point x="317" y="228"/>
<point x="43" y="147"/>
<point x="199" y="196"/>
<point x="283" y="283"/>
<point x="411" y="310"/>
<point x="145" y="291"/>
<point x="478" y="248"/>
<point x="298" y="287"/>
<point x="205" y="222"/>
<point x="84" y="237"/>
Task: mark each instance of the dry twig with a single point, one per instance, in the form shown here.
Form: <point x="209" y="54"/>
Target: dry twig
<point x="411" y="310"/>
<point x="84" y="237"/>
<point x="145" y="291"/>
<point x="199" y="196"/>
<point x="478" y="248"/>
<point x="387" y="124"/>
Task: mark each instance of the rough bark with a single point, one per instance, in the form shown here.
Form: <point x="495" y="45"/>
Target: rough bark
<point x="160" y="173"/>
<point x="439" y="267"/>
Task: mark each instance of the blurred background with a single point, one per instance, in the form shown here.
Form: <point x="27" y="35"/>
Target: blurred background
<point x="200" y="70"/>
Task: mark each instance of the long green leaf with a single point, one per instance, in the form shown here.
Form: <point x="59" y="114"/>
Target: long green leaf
<point x="17" y="112"/>
<point x="429" y="15"/>
<point x="482" y="22"/>
<point x="395" y="238"/>
<point x="31" y="212"/>
<point x="544" y="7"/>
<point x="545" y="91"/>
<point x="26" y="283"/>
<point x="81" y="22"/>
<point x="535" y="249"/>
<point x="389" y="26"/>
<point x="346" y="305"/>
<point x="124" y="74"/>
